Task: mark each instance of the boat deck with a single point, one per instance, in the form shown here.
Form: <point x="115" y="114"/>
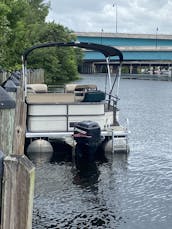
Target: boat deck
<point x="116" y="131"/>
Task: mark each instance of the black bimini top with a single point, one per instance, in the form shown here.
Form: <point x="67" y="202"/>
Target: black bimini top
<point x="108" y="51"/>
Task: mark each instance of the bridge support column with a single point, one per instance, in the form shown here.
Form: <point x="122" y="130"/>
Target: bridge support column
<point x="151" y="70"/>
<point x="134" y="70"/>
<point x="114" y="69"/>
<point x="170" y="72"/>
<point x="93" y="68"/>
<point x="111" y="69"/>
<point x="131" y="69"/>
<point x="88" y="68"/>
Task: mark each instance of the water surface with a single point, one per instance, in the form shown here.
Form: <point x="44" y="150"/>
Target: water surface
<point x="129" y="191"/>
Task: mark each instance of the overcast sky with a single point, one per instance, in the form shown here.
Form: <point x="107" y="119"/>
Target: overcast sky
<point x="133" y="16"/>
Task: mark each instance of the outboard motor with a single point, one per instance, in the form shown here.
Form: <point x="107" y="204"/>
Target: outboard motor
<point x="87" y="135"/>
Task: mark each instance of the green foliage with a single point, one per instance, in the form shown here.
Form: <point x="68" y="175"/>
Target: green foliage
<point x="4" y="32"/>
<point x="60" y="64"/>
<point x="125" y="69"/>
<point x="22" y="24"/>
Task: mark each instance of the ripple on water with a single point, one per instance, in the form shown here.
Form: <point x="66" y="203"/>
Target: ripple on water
<point x="68" y="204"/>
<point x="129" y="192"/>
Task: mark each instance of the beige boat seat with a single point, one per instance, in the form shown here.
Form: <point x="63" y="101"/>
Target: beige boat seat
<point x="70" y="88"/>
<point x="80" y="90"/>
<point x="37" y="88"/>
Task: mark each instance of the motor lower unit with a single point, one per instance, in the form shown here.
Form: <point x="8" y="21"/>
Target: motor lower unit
<point x="87" y="135"/>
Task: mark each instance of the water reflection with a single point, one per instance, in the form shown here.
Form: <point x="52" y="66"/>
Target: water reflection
<point x="88" y="176"/>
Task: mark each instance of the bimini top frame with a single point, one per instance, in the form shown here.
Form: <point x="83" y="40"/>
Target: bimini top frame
<point x="107" y="51"/>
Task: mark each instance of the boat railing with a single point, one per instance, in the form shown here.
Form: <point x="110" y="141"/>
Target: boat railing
<point x="111" y="105"/>
<point x="58" y="88"/>
<point x="44" y="88"/>
<point x="82" y="93"/>
<point x="124" y="122"/>
<point x="111" y="100"/>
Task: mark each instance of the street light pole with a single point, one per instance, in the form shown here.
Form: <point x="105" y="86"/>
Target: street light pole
<point x="116" y="16"/>
<point x="156" y="36"/>
<point x="101" y="35"/>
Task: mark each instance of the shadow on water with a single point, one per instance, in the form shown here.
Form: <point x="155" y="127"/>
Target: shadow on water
<point x="87" y="177"/>
<point x="62" y="151"/>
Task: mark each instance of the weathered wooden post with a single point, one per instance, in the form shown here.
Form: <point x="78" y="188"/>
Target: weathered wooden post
<point x="1" y="177"/>
<point x="18" y="179"/>
<point x="7" y="114"/>
<point x="3" y="76"/>
<point x="17" y="193"/>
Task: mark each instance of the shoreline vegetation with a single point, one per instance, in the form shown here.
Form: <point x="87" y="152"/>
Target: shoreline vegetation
<point x="38" y="75"/>
<point x="23" y="24"/>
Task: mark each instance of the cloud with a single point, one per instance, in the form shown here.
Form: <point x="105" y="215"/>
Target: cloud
<point x="133" y="16"/>
<point x="152" y="5"/>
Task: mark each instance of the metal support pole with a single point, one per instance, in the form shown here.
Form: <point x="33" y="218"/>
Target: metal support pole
<point x="113" y="147"/>
<point x="109" y="76"/>
<point x="156" y="40"/>
<point x="24" y="78"/>
<point x="119" y="77"/>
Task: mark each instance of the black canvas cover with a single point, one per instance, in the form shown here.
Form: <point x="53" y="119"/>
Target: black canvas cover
<point x="6" y="102"/>
<point x="107" y="51"/>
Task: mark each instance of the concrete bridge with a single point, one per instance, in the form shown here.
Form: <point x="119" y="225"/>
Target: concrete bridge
<point x="153" y="51"/>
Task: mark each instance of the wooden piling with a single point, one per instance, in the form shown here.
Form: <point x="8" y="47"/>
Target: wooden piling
<point x="7" y="115"/>
<point x="19" y="172"/>
<point x="19" y="124"/>
<point x="17" y="193"/>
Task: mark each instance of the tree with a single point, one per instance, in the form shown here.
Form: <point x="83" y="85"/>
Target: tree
<point x="25" y="18"/>
<point x="60" y="64"/>
<point x="23" y="24"/>
<point x="4" y="32"/>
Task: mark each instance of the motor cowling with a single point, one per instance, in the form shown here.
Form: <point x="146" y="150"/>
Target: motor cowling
<point x="87" y="132"/>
